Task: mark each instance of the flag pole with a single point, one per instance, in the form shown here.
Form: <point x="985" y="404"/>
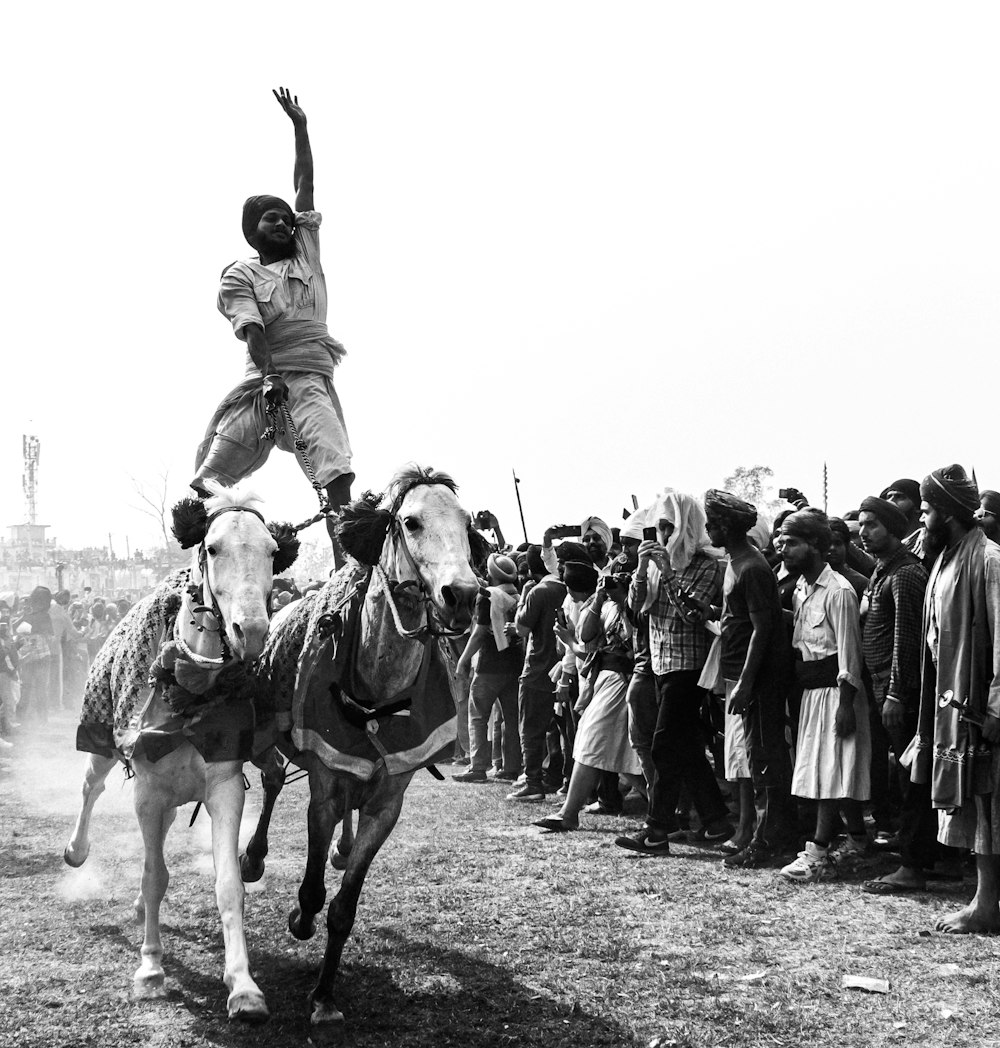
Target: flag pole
<point x="520" y="508"/>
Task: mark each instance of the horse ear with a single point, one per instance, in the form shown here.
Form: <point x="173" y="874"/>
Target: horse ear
<point x="362" y="529"/>
<point x="190" y="522"/>
<point x="288" y="546"/>
<point x="479" y="551"/>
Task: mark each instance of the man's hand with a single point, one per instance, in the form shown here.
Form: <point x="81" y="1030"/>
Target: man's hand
<point x="845" y="724"/>
<point x="290" y="104"/>
<point x="565" y="635"/>
<point x="739" y="700"/>
<point x="892" y="713"/>
<point x="991" y="728"/>
<point x="510" y="632"/>
<point x="275" y="390"/>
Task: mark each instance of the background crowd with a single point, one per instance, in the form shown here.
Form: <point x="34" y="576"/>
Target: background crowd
<point x="794" y="692"/>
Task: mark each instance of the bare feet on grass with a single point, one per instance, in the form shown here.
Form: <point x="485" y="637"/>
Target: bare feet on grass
<point x="971" y="920"/>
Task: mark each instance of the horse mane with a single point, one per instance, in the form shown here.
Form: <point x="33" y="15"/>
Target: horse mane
<point x="223" y="497"/>
<point x="412" y="475"/>
<point x="365" y="523"/>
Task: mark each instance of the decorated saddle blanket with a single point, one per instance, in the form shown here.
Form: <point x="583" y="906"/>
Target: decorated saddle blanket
<point x="308" y="689"/>
<point x="145" y="697"/>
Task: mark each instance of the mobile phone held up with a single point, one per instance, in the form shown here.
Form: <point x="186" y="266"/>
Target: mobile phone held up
<point x="648" y="534"/>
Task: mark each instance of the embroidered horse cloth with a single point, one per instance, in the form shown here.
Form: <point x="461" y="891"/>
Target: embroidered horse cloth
<point x="309" y="687"/>
<point x="126" y="715"/>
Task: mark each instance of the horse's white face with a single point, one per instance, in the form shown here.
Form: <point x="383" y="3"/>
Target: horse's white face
<point x="435" y="529"/>
<point x="239" y="552"/>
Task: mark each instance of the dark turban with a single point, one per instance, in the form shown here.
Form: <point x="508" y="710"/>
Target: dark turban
<point x="40" y="598"/>
<point x="951" y="491"/>
<point x="580" y="577"/>
<point x="887" y="514"/>
<point x="909" y="488"/>
<point x="735" y="512"/>
<point x="838" y="526"/>
<point x="572" y="551"/>
<point x="253" y="210"/>
<point x="62" y="597"/>
<point x="990" y="501"/>
<point x="811" y="525"/>
<point x="535" y="563"/>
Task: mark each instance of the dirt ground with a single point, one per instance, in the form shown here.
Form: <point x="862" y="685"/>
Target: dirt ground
<point x="475" y="929"/>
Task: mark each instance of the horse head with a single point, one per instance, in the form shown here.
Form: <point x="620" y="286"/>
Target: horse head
<point x="418" y="530"/>
<point x="236" y="557"/>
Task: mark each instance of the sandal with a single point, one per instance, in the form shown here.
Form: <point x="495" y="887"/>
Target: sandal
<point x="884" y="887"/>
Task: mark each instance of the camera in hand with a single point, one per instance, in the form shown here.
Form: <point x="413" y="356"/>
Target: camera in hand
<point x="565" y="531"/>
<point x="787" y="493"/>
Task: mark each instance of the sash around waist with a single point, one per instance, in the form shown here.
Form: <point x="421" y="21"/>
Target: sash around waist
<point x="300" y="345"/>
<point x="819" y="674"/>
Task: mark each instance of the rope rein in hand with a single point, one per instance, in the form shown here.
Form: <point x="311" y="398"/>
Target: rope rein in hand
<point x="275" y="427"/>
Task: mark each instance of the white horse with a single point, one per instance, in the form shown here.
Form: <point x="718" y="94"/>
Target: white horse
<point x="222" y="623"/>
<point x="419" y="545"/>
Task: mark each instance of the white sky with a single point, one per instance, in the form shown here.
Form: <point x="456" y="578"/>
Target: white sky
<point x="615" y="246"/>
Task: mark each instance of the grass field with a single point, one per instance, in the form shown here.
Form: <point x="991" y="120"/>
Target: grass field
<point x="475" y="930"/>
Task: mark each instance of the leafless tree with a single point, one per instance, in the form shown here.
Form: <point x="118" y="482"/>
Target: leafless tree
<point x="153" y="501"/>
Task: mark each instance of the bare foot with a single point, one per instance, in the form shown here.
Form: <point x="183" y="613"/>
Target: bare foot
<point x="971" y="920"/>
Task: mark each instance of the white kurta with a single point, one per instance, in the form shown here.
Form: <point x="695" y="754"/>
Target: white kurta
<point x="827" y="622"/>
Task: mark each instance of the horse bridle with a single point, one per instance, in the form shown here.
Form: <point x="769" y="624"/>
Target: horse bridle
<point x="427" y="628"/>
<point x="212" y="606"/>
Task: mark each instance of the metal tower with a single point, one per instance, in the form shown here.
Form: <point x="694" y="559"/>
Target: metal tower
<point x="29" y="481"/>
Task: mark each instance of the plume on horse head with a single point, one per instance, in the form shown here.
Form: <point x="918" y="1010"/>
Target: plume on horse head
<point x="365" y="523"/>
<point x="191" y="516"/>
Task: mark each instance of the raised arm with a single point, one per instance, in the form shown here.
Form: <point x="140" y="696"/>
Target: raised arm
<point x="303" y="174"/>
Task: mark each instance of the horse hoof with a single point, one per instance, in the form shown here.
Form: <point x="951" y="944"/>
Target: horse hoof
<point x="149" y="987"/>
<point x="73" y="860"/>
<point x="250" y="871"/>
<point x="299" y="927"/>
<point x="326" y="1024"/>
<point x="248" y="1007"/>
<point x="338" y="861"/>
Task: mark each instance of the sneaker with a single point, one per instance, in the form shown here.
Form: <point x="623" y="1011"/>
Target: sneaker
<point x="642" y="842"/>
<point x="849" y="852"/>
<point x="463" y="760"/>
<point x="470" y="776"/>
<point x="527" y="794"/>
<point x="504" y="776"/>
<point x="811" y="864"/>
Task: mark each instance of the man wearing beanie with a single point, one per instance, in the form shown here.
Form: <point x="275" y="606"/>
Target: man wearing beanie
<point x="904" y="494"/>
<point x="534" y="620"/>
<point x="892" y="642"/>
<point x="277" y="302"/>
<point x="959" y="749"/>
<point x="494" y="679"/>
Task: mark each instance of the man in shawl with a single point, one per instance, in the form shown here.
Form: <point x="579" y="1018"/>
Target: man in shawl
<point x="277" y="302"/>
<point x="675" y="579"/>
<point x="892" y="643"/>
<point x="755" y="665"/>
<point x="959" y="748"/>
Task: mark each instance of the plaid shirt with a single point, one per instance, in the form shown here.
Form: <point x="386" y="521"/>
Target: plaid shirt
<point x="674" y="643"/>
<point x="893" y="635"/>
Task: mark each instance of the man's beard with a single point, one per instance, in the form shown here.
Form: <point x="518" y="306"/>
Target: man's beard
<point x="935" y="543"/>
<point x="274" y="248"/>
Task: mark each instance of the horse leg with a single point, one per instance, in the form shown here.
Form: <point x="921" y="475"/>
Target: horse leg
<point x="153" y="821"/>
<point x="139" y="906"/>
<point x="224" y="802"/>
<point x="325" y="810"/>
<point x="97" y="771"/>
<point x="340" y="854"/>
<point x="377" y="819"/>
<point x="272" y="780"/>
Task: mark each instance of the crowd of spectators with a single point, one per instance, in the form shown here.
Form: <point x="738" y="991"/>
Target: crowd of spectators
<point x="795" y="693"/>
<point x="47" y="642"/>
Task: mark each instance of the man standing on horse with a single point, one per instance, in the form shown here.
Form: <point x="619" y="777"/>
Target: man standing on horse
<point x="276" y="302"/>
